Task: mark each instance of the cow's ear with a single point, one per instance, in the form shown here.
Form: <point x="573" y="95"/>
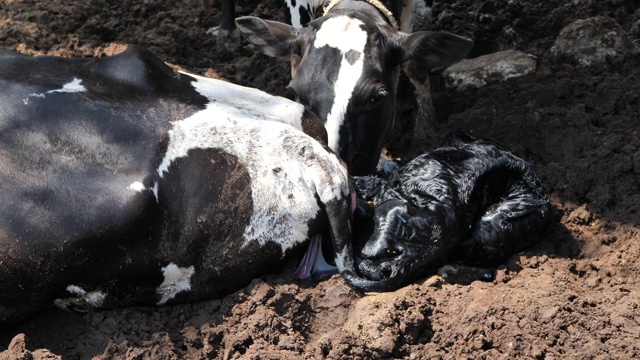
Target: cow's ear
<point x="272" y="38"/>
<point x="433" y="49"/>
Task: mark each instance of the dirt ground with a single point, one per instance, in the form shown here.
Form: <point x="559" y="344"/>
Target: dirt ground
<point x="575" y="295"/>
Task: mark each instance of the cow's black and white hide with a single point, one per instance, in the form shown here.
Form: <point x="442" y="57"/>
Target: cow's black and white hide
<point x="346" y="64"/>
<point x="125" y="182"/>
<point x="471" y="202"/>
<point x="296" y="12"/>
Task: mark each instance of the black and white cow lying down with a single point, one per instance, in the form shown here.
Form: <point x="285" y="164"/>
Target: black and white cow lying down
<point x="471" y="202"/>
<point x="125" y="182"/>
<point x="346" y="65"/>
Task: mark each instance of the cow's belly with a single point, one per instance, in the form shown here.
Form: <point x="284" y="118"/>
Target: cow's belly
<point x="69" y="195"/>
<point x="53" y="235"/>
<point x="198" y="232"/>
<point x="220" y="232"/>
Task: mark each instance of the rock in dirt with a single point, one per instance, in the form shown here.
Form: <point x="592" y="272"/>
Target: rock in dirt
<point x="17" y="350"/>
<point x="491" y="68"/>
<point x="461" y="274"/>
<point x="592" y="42"/>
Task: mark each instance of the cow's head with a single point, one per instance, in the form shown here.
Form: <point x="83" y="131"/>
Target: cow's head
<point x="345" y="67"/>
<point x="400" y="242"/>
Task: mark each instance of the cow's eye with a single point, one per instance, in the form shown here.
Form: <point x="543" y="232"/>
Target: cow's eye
<point x="370" y="101"/>
<point x="377" y="96"/>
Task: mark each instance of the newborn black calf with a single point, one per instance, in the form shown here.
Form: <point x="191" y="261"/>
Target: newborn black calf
<point x="473" y="202"/>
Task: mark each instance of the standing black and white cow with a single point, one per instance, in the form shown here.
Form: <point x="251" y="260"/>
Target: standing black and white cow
<point x="125" y="182"/>
<point x="347" y="68"/>
<point x="299" y="13"/>
<point x="296" y="12"/>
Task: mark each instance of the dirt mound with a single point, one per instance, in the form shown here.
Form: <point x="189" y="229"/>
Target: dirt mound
<point x="574" y="295"/>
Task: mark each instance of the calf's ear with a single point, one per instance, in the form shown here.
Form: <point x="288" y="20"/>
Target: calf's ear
<point x="272" y="38"/>
<point x="434" y="49"/>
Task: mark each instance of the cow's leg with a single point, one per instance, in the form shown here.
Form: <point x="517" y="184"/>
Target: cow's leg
<point x="505" y="228"/>
<point x="228" y="36"/>
<point x="226" y="32"/>
<point x="228" y="15"/>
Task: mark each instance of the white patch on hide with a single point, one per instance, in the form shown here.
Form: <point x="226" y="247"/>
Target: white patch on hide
<point x="340" y="261"/>
<point x="76" y="290"/>
<point x="95" y="299"/>
<point x="154" y="190"/>
<point x="345" y="34"/>
<point x="294" y="11"/>
<point x="244" y="102"/>
<point x="70" y="87"/>
<point x="287" y="167"/>
<point x="176" y="280"/>
<point x="137" y="186"/>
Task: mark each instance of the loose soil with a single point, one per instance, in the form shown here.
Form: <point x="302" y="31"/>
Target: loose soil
<point x="575" y="295"/>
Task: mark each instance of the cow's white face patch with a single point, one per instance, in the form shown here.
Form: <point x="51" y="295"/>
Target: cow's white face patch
<point x="287" y="167"/>
<point x="71" y="87"/>
<point x="345" y="34"/>
<point x="176" y="280"/>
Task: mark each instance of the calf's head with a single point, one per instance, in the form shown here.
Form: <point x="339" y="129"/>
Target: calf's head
<point x="397" y="242"/>
<point x="345" y="67"/>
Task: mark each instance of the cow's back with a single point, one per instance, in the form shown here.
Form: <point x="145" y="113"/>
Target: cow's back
<point x="96" y="126"/>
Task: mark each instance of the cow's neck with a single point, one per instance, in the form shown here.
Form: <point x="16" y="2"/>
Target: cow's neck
<point x="390" y="12"/>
